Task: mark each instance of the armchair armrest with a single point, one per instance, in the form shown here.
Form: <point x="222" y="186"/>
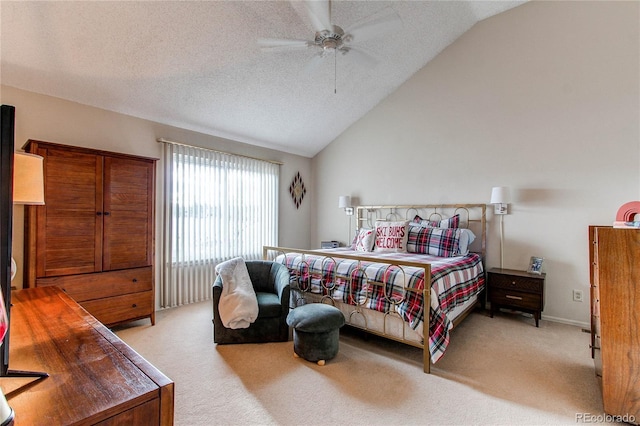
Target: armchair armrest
<point x="281" y="282"/>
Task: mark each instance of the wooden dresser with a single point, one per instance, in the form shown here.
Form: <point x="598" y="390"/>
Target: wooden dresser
<point x="615" y="317"/>
<point x="94" y="377"/>
<point x="94" y="237"/>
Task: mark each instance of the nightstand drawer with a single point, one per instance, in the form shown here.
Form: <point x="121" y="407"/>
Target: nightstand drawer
<point x="519" y="283"/>
<point x="515" y="289"/>
<point x="514" y="298"/>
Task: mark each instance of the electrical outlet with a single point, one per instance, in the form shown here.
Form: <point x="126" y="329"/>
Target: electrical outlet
<point x="577" y="295"/>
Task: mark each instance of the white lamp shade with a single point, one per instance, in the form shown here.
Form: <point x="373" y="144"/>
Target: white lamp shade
<point x="344" y="201"/>
<point x="499" y="195"/>
<point x="28" y="179"/>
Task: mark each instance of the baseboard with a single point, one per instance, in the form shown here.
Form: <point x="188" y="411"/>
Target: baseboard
<point x="567" y="321"/>
<point x="583" y="325"/>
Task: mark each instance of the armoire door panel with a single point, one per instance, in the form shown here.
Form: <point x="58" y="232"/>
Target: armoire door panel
<point x="70" y="244"/>
<point x="128" y="226"/>
<point x="69" y="241"/>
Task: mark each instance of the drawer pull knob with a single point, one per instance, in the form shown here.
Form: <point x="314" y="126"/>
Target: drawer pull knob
<point x="134" y="306"/>
<point x="508" y="296"/>
<point x="135" y="280"/>
<point x="513" y="283"/>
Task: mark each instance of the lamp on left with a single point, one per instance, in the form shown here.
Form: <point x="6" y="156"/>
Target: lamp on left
<point x="28" y="179"/>
<point x="28" y="188"/>
<point x="344" y="202"/>
<point x="28" y="184"/>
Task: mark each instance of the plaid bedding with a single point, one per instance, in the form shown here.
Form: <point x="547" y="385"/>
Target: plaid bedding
<point x="454" y="280"/>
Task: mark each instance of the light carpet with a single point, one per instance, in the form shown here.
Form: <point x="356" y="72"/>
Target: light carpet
<point x="496" y="371"/>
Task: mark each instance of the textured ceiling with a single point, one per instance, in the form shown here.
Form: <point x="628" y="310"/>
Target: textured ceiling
<point x="197" y="65"/>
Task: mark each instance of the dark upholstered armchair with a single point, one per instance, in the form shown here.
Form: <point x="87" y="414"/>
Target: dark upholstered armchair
<point x="271" y="283"/>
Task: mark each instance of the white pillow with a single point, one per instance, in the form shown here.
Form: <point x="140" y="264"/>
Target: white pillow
<point x="391" y="236"/>
<point x="466" y="238"/>
<point x="365" y="239"/>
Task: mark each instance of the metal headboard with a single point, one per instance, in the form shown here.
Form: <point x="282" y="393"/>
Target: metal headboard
<point x="472" y="216"/>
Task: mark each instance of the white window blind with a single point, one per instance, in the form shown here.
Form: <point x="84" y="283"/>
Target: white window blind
<point x="217" y="206"/>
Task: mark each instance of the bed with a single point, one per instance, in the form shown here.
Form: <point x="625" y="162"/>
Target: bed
<point x="378" y="280"/>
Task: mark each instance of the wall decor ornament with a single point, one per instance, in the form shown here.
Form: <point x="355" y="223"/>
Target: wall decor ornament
<point x="297" y="190"/>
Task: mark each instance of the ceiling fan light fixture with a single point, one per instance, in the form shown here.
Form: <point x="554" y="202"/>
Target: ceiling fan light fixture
<point x="329" y="40"/>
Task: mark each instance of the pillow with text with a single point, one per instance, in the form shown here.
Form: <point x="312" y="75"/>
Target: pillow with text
<point x="391" y="236"/>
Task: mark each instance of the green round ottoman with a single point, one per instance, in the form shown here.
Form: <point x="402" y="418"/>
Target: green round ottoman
<point x="316" y="331"/>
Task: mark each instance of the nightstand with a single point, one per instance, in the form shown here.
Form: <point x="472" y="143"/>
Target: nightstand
<point x="517" y="290"/>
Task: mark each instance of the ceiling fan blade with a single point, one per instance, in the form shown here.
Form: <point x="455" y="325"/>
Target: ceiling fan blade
<point x="319" y="14"/>
<point x="279" y="44"/>
<point x="376" y="25"/>
<point x="361" y="57"/>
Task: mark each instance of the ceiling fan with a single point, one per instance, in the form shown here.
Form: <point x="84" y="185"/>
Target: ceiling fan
<point x="330" y="39"/>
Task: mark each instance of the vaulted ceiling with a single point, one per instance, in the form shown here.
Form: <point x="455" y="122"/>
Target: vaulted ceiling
<point x="197" y="64"/>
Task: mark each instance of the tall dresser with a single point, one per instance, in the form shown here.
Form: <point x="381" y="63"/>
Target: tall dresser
<point x="94" y="237"/>
<point x="615" y="318"/>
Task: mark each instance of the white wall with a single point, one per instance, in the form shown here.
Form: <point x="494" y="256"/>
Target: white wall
<point x="55" y="120"/>
<point x="544" y="99"/>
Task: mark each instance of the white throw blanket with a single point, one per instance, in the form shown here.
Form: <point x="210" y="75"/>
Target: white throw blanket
<point x="238" y="306"/>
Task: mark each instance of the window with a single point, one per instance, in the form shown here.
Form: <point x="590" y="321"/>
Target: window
<point x="217" y="206"/>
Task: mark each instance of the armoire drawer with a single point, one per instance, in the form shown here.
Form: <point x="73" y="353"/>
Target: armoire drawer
<point x="118" y="309"/>
<point x="85" y="287"/>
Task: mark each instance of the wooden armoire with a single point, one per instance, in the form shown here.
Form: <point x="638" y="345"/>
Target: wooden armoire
<point x="615" y="318"/>
<point x="94" y="237"/>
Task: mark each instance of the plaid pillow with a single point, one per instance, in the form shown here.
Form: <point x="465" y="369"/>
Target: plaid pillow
<point x="451" y="222"/>
<point x="442" y="242"/>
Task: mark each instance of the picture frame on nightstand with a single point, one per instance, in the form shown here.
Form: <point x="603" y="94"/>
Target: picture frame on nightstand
<point x="535" y="265"/>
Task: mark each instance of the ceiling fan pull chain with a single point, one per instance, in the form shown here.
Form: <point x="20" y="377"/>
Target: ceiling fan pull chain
<point x="335" y="71"/>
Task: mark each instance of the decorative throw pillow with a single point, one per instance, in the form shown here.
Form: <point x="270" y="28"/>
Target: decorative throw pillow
<point x="442" y="242"/>
<point x="450" y="222"/>
<point x="391" y="236"/>
<point x="466" y="238"/>
<point x="364" y="240"/>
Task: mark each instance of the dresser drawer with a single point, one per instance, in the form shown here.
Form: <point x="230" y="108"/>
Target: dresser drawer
<point x="517" y="299"/>
<point x="532" y="285"/>
<point x="113" y="310"/>
<point x="103" y="284"/>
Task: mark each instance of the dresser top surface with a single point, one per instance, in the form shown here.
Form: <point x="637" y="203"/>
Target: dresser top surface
<point x="92" y="373"/>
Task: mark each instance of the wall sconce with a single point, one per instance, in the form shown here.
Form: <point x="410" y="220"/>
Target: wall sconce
<point x="500" y="199"/>
<point x="344" y="202"/>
